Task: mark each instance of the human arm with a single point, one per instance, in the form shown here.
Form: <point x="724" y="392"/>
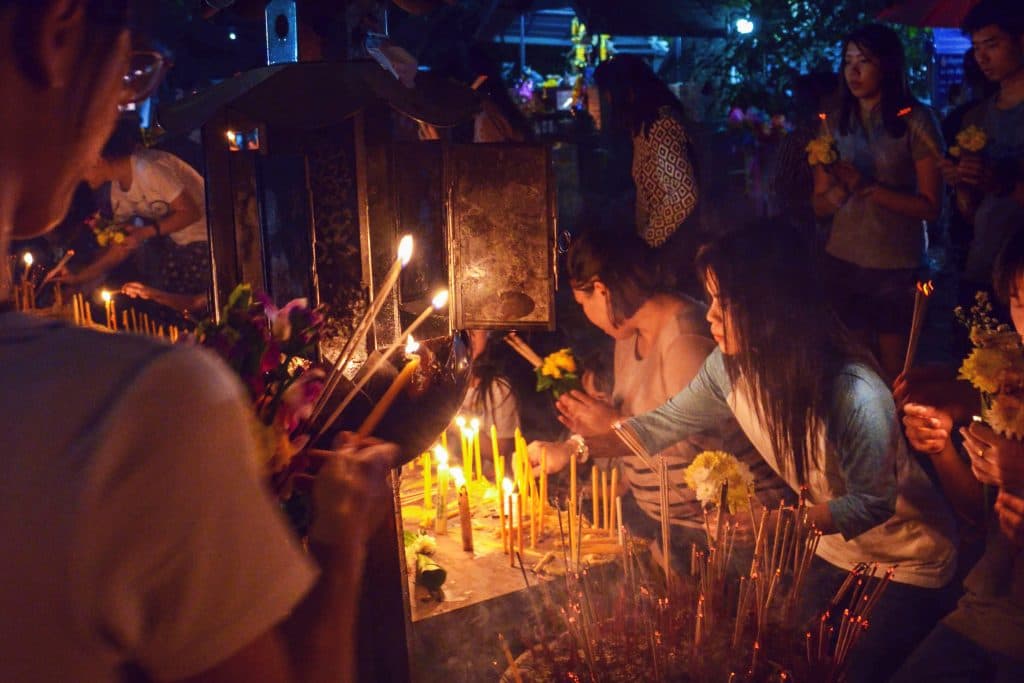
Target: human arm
<point x="828" y="193"/>
<point x="925" y="204"/>
<point x="184" y="561"/>
<point x="183" y="212"/>
<point x="700" y="406"/>
<point x="995" y="460"/>
<point x="928" y="430"/>
<point x="868" y="443"/>
<point x="179" y="302"/>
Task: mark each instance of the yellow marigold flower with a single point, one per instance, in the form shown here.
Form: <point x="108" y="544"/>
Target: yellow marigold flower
<point x="564" y="359"/>
<point x="1005" y="415"/>
<point x="972" y="139"/>
<point x="118" y="237"/>
<point x="551" y="369"/>
<point x="822" y="151"/>
<point x="982" y="368"/>
<point x="710" y="469"/>
<point x="954" y="150"/>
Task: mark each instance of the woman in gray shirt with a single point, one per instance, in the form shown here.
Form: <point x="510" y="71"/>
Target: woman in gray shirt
<point x="879" y="194"/>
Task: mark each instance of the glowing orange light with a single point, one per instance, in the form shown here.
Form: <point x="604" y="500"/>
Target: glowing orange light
<point x="926" y="288"/>
<point x="822" y="115"/>
<point x="903" y="112"/>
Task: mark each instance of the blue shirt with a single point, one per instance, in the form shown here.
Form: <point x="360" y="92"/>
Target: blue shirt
<point x="883" y="504"/>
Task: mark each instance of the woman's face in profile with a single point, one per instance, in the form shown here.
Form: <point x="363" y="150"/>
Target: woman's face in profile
<point x="722" y="329"/>
<point x="596" y="305"/>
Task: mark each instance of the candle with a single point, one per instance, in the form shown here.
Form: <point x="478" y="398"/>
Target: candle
<point x="606" y="510"/>
<point x="405" y="247"/>
<point x="108" y="307"/>
<point x="465" y="521"/>
<point x="572" y="505"/>
<point x="506" y="492"/>
<point x="595" y="498"/>
<point x="494" y="451"/>
<point x="439" y="301"/>
<point x="618" y="517"/>
<point x="474" y="424"/>
<point x="428" y="484"/>
<point x="543" y="485"/>
<point x="519" y="528"/>
<point x="397" y="386"/>
<point x="28" y="260"/>
<point x="441" y="518"/>
<point x="614" y="493"/>
<point x="824" y="124"/>
<point x="444" y="439"/>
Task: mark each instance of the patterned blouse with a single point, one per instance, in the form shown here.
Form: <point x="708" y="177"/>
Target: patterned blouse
<point x="666" y="185"/>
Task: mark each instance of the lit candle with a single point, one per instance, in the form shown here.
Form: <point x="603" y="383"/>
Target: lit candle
<point x="467" y="460"/>
<point x="397" y="386"/>
<point x="29" y="260"/>
<point x="465" y="521"/>
<point x="108" y="307"/>
<point x="441" y="518"/>
<point x="595" y="498"/>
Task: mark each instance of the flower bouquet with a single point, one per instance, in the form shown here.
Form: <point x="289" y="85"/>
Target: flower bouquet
<point x="557" y="373"/>
<point x="270" y="349"/>
<point x="106" y="230"/>
<point x="971" y="139"/>
<point x="822" y="151"/>
<point x="711" y="471"/>
<point x="995" y="367"/>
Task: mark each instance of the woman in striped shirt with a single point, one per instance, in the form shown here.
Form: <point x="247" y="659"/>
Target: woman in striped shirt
<point x="661" y="341"/>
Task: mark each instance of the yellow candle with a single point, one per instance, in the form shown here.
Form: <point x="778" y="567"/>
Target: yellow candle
<point x="444" y="439"/>
<point x="106" y="296"/>
<point x="618" y="517"/>
<point x="543" y="485"/>
<point x="572" y="506"/>
<point x="494" y="452"/>
<point x="606" y="511"/>
<point x="475" y="426"/>
<point x="397" y="386"/>
<point x="615" y="521"/>
<point x="519" y="527"/>
<point x="428" y="484"/>
<point x="441" y="518"/>
<point x="504" y="492"/>
<point x="595" y="498"/>
<point x="465" y="521"/>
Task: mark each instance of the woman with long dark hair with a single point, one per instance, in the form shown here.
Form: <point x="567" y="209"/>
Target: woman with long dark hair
<point x="661" y="341"/>
<point x="636" y="102"/>
<point x="886" y="184"/>
<point x="813" y="404"/>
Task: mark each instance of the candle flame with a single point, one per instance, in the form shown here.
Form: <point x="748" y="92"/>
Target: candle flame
<point x="474" y="424"/>
<point x="903" y="112"/>
<point x="823" y="116"/>
<point x="926" y="288"/>
<point x="458" y="477"/>
<point x="232" y="137"/>
<point x="28" y="258"/>
<point x="507" y="486"/>
<point x="106" y="296"/>
<point x="411" y="346"/>
<point x="405" y="250"/>
<point x="460" y="421"/>
<point x="440" y="300"/>
<point x="441" y="455"/>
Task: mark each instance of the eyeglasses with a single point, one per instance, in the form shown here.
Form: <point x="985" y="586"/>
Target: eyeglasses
<point x="145" y="71"/>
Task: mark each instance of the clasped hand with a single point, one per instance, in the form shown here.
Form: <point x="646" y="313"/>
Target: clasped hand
<point x="584" y="414"/>
<point x="995" y="460"/>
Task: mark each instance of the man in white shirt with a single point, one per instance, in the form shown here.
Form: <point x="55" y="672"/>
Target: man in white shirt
<point x="136" y="532"/>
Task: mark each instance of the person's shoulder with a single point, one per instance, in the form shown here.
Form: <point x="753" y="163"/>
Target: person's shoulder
<point x="923" y="115"/>
<point x="857" y="383"/>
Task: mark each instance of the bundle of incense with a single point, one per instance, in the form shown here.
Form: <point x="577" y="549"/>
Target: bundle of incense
<point x="924" y="290"/>
<point x="363" y="327"/>
<point x="523" y="349"/>
<point x="666" y="535"/>
<point x="636" y="448"/>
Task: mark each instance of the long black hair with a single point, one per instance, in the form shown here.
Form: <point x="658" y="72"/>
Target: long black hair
<point x="623" y="263"/>
<point x="791" y="343"/>
<point x="637" y="94"/>
<point x="883" y="44"/>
